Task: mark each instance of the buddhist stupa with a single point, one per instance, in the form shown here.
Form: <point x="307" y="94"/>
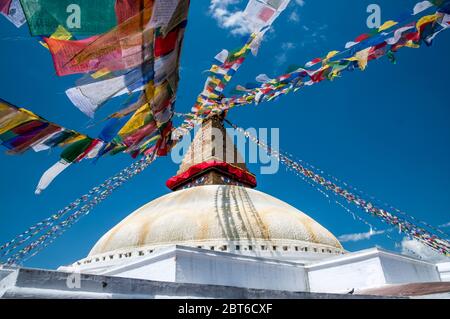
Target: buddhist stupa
<point x="214" y="206"/>
<point x="215" y="236"/>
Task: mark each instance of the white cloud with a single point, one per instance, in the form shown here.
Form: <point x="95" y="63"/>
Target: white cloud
<point x="294" y="16"/>
<point x="446" y="225"/>
<point x="314" y="34"/>
<point x="228" y="16"/>
<point x="323" y="27"/>
<point x="415" y="248"/>
<point x="359" y="236"/>
<point x="280" y="59"/>
<point x="285" y="46"/>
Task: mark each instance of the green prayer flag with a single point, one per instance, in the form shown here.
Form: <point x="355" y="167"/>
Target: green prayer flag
<point x="118" y="149"/>
<point x="71" y="152"/>
<point x="79" y="17"/>
<point x="391" y="56"/>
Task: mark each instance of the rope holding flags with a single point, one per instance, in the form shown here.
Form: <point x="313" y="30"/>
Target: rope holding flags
<point x="134" y="48"/>
<point x="352" y="213"/>
<point x="356" y="55"/>
<point x="40" y="235"/>
<point x="141" y="128"/>
<point x="361" y="193"/>
<point x="130" y="47"/>
<point x="433" y="241"/>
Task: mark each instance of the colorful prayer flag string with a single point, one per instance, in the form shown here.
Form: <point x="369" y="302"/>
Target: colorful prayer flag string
<point x="366" y="195"/>
<point x="433" y="241"/>
<point x="357" y="55"/>
<point x="46" y="231"/>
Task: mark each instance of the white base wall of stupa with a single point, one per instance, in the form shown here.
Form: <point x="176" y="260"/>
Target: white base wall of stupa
<point x="340" y="274"/>
<point x="200" y="266"/>
<point x="444" y="270"/>
<point x="369" y="269"/>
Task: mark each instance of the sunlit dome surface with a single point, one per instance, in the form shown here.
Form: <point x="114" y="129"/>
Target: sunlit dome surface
<point x="215" y="214"/>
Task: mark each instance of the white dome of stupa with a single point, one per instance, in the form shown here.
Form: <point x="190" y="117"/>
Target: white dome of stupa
<point x="220" y="217"/>
<point x="215" y="207"/>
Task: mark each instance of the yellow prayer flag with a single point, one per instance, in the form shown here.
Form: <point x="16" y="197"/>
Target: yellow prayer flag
<point x="60" y="34"/>
<point x="138" y="120"/>
<point x="72" y="140"/>
<point x="217" y="69"/>
<point x="100" y="73"/>
<point x="242" y="51"/>
<point x="160" y="95"/>
<point x="331" y="54"/>
<point x="17" y="119"/>
<point x="29" y="113"/>
<point x="362" y="58"/>
<point x="6" y="110"/>
<point x="425" y="20"/>
<point x="153" y="139"/>
<point x="387" y="25"/>
<point x="149" y="90"/>
<point x="411" y="44"/>
<point x="214" y="81"/>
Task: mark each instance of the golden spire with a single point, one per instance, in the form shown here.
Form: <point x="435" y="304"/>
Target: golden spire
<point x="212" y="159"/>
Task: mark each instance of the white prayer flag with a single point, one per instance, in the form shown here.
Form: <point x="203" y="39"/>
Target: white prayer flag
<point x="50" y="175"/>
<point x="222" y="56"/>
<point x="40" y="145"/>
<point x="263" y="13"/>
<point x="15" y="14"/>
<point x="162" y="13"/>
<point x="262" y="78"/>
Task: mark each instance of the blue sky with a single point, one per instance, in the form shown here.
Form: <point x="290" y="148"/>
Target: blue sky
<point x="384" y="131"/>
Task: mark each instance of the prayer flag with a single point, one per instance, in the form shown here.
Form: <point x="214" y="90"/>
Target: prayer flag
<point x="50" y="175"/>
<point x="73" y="151"/>
<point x="387" y="25"/>
<point x="163" y="12"/>
<point x="87" y="98"/>
<point x="313" y="62"/>
<point x="13" y="12"/>
<point x="79" y="17"/>
<point x="222" y="56"/>
<point x="4" y="5"/>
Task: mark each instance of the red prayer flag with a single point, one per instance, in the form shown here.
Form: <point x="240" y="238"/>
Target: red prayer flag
<point x="27" y="127"/>
<point x="126" y="46"/>
<point x="166" y="45"/>
<point x="266" y="14"/>
<point x="126" y="9"/>
<point x="140" y="134"/>
<point x="64" y="53"/>
<point x="362" y="37"/>
<point x="34" y="137"/>
<point x="4" y="6"/>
